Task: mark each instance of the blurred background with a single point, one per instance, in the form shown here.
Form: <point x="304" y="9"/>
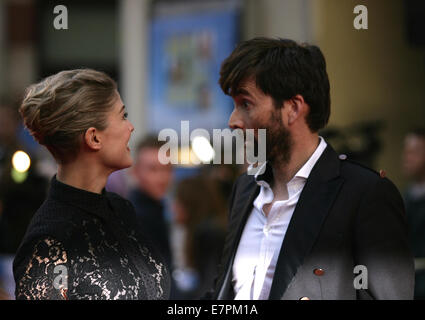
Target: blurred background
<point x="165" y="56"/>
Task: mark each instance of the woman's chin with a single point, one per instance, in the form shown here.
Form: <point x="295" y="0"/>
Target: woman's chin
<point x="125" y="164"/>
<point x="128" y="164"/>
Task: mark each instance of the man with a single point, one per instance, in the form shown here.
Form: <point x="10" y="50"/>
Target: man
<point x="153" y="180"/>
<point x="414" y="169"/>
<point x="303" y="227"/>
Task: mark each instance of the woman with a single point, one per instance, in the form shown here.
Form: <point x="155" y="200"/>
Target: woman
<point x="82" y="243"/>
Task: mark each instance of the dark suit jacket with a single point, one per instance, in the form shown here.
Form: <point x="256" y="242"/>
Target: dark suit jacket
<point x="347" y="215"/>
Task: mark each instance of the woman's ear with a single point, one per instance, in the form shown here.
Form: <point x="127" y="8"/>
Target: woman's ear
<point x="92" y="139"/>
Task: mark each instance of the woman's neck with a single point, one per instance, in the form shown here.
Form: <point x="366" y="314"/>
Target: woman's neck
<point x="82" y="175"/>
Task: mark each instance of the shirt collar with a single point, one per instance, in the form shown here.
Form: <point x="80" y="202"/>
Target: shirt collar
<point x="305" y="170"/>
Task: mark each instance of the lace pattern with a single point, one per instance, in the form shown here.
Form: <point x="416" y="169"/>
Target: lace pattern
<point x="38" y="280"/>
<point x="97" y="268"/>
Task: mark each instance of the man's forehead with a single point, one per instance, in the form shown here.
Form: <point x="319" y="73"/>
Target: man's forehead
<point x="247" y="87"/>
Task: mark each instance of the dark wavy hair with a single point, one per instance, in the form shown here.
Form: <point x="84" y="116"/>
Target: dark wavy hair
<point x="282" y="69"/>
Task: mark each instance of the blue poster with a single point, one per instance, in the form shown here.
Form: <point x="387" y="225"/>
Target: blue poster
<point x="185" y="59"/>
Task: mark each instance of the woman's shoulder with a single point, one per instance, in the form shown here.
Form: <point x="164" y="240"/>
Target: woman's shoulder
<point x="53" y="218"/>
<point x="35" y="271"/>
<point x="54" y="225"/>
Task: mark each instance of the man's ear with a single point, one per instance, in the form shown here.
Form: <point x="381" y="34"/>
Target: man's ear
<point x="296" y="108"/>
<point x="92" y="139"/>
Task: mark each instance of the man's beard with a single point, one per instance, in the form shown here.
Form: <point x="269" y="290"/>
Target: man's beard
<point x="278" y="140"/>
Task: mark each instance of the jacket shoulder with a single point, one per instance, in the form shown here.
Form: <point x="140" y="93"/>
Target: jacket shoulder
<point x="365" y="177"/>
<point x="354" y="169"/>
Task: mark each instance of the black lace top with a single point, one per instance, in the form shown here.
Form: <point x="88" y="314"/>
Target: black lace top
<point x="83" y="245"/>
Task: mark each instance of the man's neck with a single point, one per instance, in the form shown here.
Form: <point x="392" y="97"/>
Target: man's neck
<point x="301" y="151"/>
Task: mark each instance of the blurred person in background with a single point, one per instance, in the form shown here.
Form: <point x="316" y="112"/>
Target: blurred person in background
<point x="89" y="233"/>
<point x="9" y="122"/>
<point x="152" y="182"/>
<point x="200" y="208"/>
<point x="16" y="214"/>
<point x="3" y="294"/>
<point x="22" y="191"/>
<point x="414" y="197"/>
<point x="118" y="183"/>
<point x="224" y="175"/>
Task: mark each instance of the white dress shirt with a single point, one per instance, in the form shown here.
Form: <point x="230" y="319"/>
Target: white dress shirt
<point x="262" y="237"/>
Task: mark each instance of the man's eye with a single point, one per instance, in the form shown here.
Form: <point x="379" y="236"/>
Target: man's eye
<point x="246" y="103"/>
<point x="125" y="115"/>
<point x="242" y="103"/>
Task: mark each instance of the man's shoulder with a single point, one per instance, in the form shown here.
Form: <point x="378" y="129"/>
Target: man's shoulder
<point x="351" y="169"/>
<point x="366" y="178"/>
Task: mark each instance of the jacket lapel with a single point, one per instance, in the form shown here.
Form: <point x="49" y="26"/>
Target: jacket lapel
<point x="242" y="211"/>
<point x="314" y="203"/>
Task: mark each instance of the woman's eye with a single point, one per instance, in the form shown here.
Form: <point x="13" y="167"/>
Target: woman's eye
<point x="125" y="115"/>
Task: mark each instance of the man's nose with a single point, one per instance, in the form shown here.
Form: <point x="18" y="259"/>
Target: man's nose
<point x="235" y="121"/>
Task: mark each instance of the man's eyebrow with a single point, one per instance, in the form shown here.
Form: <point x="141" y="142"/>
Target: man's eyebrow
<point x="242" y="91"/>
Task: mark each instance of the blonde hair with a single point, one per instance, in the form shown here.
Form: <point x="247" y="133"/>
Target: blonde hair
<point x="59" y="109"/>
